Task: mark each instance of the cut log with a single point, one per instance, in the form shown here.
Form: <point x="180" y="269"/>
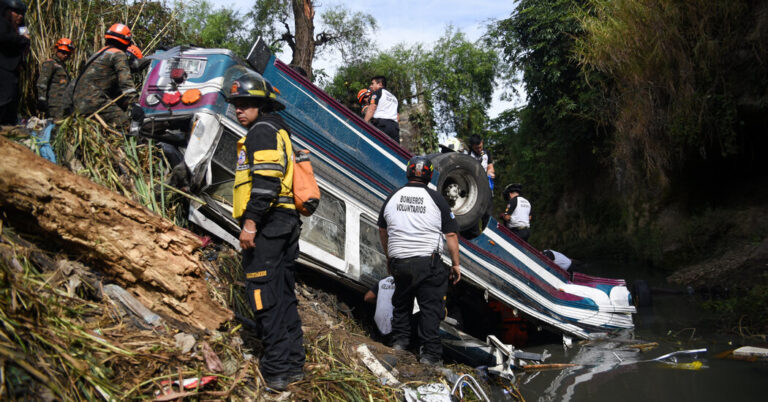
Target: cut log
<point x="148" y="255"/>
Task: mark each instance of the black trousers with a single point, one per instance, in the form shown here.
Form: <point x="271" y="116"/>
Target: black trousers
<point x="522" y="233"/>
<point x="269" y="276"/>
<point x="416" y="277"/>
<point x="9" y="97"/>
<point x="389" y="127"/>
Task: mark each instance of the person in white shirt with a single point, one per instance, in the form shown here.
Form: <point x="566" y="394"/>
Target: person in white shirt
<point x="381" y="294"/>
<point x="415" y="225"/>
<point x="481" y="155"/>
<point x="382" y="108"/>
<point x="559" y="259"/>
<point x="517" y="216"/>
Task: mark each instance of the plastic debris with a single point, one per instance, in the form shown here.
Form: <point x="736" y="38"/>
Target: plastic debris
<point x="435" y="392"/>
<point x="470" y="381"/>
<point x="212" y="361"/>
<point x="751" y="351"/>
<point x="680" y="352"/>
<point x="116" y="293"/>
<point x="168" y="393"/>
<point x="373" y="364"/>
<point x="694" y="365"/>
<point x="185" y="342"/>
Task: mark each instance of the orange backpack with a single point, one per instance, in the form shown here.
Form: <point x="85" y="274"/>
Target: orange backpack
<point x="306" y="193"/>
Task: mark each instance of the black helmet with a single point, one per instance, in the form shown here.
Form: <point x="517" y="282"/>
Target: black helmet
<point x="17" y="5"/>
<point x="253" y="86"/>
<point x="514" y="187"/>
<point x="419" y="168"/>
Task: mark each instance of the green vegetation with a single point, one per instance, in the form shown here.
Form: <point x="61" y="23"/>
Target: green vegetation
<point x="640" y="116"/>
<point x="446" y="89"/>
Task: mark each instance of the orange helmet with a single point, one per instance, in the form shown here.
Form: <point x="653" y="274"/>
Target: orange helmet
<point x="363" y="94"/>
<point x="135" y="51"/>
<point x="65" y="45"/>
<point x="120" y="33"/>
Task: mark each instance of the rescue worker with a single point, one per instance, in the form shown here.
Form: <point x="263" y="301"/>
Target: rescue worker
<point x="560" y="259"/>
<point x="382" y="111"/>
<point x="364" y="98"/>
<point x="517" y="215"/>
<point x="263" y="202"/>
<point x="381" y="294"/>
<point x="415" y="223"/>
<point x="52" y="96"/>
<point x="481" y="155"/>
<point x="136" y="60"/>
<point x="107" y="76"/>
<point x="14" y="43"/>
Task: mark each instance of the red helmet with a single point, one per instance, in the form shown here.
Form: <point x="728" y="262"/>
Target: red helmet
<point x="120" y="33"/>
<point x="65" y="45"/>
<point x="363" y="94"/>
<point x="135" y="51"/>
<point x="419" y="168"/>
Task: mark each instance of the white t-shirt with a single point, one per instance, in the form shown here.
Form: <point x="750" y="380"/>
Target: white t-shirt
<point x="484" y="158"/>
<point x="519" y="216"/>
<point x="386" y="104"/>
<point x="416" y="217"/>
<point x="561" y="260"/>
<point x="383" y="315"/>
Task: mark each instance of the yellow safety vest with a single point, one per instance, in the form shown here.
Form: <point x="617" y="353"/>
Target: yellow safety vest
<point x="266" y="162"/>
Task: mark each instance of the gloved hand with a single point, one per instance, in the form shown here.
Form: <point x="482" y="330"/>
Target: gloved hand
<point x="137" y="113"/>
<point x="42" y="105"/>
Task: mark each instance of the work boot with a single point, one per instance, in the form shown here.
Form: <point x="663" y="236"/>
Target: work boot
<point x="400" y="346"/>
<point x="430" y="361"/>
<point x="295" y="376"/>
<point x="279" y="383"/>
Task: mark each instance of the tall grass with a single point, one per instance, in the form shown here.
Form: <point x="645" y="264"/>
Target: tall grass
<point x="85" y="22"/>
<point x="135" y="169"/>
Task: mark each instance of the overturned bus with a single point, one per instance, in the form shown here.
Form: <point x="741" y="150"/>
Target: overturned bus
<point x="184" y="103"/>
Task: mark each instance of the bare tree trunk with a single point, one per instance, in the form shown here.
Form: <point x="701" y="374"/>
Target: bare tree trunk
<point x="148" y="255"/>
<point x="304" y="53"/>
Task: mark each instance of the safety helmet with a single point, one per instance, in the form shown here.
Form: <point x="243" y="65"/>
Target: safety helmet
<point x="120" y="33"/>
<point x="363" y="94"/>
<point x="65" y="45"/>
<point x="16" y="5"/>
<point x="514" y="187"/>
<point x="253" y="86"/>
<point x="134" y="51"/>
<point x="419" y="168"/>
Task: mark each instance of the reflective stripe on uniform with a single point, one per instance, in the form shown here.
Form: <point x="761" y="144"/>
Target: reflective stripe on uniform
<point x="263" y="191"/>
<point x="257" y="299"/>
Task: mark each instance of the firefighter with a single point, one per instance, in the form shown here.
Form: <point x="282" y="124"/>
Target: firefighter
<point x="413" y="222"/>
<point x="136" y="60"/>
<point x="106" y="77"/>
<point x="382" y="109"/>
<point x="263" y="202"/>
<point x="52" y="96"/>
<point x="14" y="44"/>
<point x="517" y="215"/>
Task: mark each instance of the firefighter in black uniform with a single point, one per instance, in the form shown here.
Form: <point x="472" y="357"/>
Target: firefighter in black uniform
<point x="412" y="224"/>
<point x="263" y="202"/>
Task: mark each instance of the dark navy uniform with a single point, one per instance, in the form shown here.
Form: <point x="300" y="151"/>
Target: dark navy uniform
<point x="12" y="51"/>
<point x="263" y="192"/>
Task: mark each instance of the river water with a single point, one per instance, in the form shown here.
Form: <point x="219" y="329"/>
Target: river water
<point x="609" y="371"/>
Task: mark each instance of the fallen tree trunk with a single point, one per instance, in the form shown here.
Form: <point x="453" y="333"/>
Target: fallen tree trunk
<point x="148" y="255"/>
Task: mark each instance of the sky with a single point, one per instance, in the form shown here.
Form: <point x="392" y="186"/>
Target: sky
<point x="410" y="22"/>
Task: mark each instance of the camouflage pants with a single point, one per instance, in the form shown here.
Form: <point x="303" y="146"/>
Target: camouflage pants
<point x="114" y="116"/>
<point x="58" y="112"/>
